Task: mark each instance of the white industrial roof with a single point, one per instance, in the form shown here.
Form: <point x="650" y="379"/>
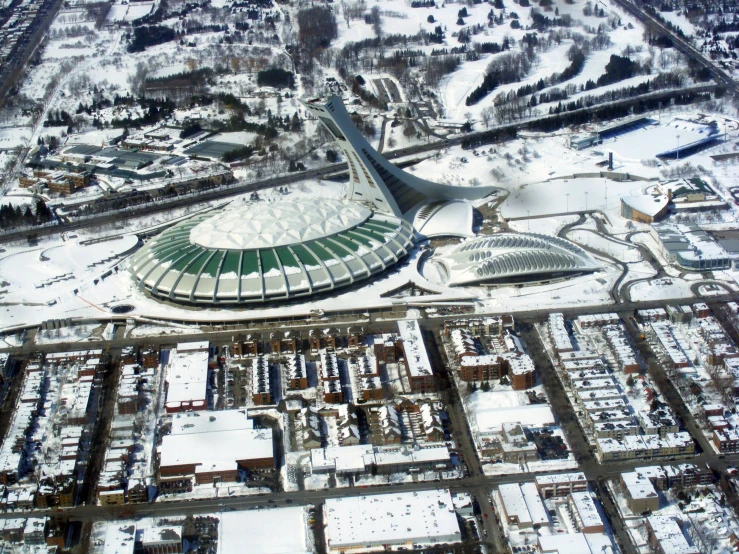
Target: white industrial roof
<point x="529" y="415"/>
<point x="263" y="225"/>
<point x="275" y="531"/>
<point x="423" y="517"/>
<point x="214" y="441"/>
<point x="187" y="376"/>
<point x="523" y="502"/>
<point x="571" y="543"/>
<point x="120" y="539"/>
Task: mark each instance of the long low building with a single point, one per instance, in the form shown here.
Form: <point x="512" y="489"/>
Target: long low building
<point x="364" y="458"/>
<point x="378" y="522"/>
<point x="210" y="447"/>
<point x="187" y="377"/>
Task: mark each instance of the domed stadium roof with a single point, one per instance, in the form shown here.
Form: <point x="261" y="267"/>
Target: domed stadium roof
<point x="513" y="257"/>
<point x="268" y="252"/>
<point x="278" y="224"/>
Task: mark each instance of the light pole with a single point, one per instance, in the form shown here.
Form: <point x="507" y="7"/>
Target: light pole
<point x="677" y="152"/>
<point x="568" y="202"/>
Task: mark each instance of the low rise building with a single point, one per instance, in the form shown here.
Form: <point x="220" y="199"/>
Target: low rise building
<point x="584" y="513"/>
<point x="665" y="534"/>
<point x="261" y="381"/>
<point x="211" y="447"/>
<point x="160" y="540"/>
<point x="187" y="377"/>
<point x="640" y="493"/>
<point x="521" y="505"/>
<point x="399" y="520"/>
<point x="558" y="333"/>
<point x="417" y="364"/>
<point x="561" y="484"/>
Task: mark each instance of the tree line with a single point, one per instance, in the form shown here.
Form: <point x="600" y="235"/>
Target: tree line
<point x="507" y="68"/>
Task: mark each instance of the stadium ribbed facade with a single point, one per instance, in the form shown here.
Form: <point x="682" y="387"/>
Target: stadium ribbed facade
<point x="268" y="252"/>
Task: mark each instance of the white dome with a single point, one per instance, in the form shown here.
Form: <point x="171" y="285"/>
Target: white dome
<point x="263" y="225"/>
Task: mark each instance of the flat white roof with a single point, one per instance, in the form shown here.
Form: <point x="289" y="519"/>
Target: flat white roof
<point x="587" y="509"/>
<point x="419" y="517"/>
<point x="193" y="346"/>
<point x="120" y="539"/>
<point x="638" y="485"/>
<point x="557" y="478"/>
<point x="536" y="508"/>
<point x="214" y="441"/>
<point x="187" y="374"/>
<point x="417" y="359"/>
<point x="275" y="531"/>
<point x="523" y="502"/>
<point x="572" y="543"/>
<point x="669" y="534"/>
<point x="529" y="415"/>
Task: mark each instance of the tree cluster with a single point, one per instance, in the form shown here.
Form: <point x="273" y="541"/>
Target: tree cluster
<point x="507" y="68"/>
<point x="317" y="27"/>
<point x="11" y="217"/>
<point x="237" y="154"/>
<point x="276" y="77"/>
<point x="143" y="37"/>
<point x="618" y="68"/>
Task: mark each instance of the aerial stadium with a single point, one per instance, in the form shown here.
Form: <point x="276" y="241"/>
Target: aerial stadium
<point x="294" y="249"/>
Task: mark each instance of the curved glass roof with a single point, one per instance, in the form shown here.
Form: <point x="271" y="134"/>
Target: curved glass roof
<point x="507" y="256"/>
<point x="175" y="266"/>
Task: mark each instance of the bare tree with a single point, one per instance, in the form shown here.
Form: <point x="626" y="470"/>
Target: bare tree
<point x="487" y="115"/>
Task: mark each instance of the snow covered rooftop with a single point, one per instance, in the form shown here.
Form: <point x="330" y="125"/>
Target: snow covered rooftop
<point x="214" y="440"/>
<point x="420" y="517"/>
<point x="524" y="503"/>
<point x="278" y="224"/>
<point x="668" y="533"/>
<point x="494" y="409"/>
<point x="417" y="359"/>
<point x="646" y="203"/>
<point x="638" y="485"/>
<point x="276" y="531"/>
<point x="120" y="539"/>
<point x="187" y="374"/>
